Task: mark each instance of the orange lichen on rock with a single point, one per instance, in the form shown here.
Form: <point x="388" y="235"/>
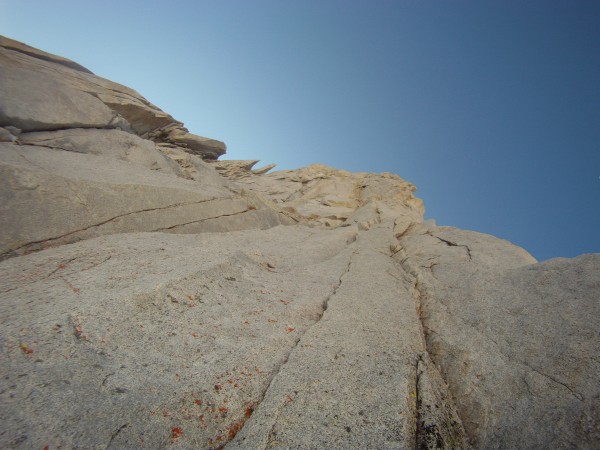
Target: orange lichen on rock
<point x="176" y="432"/>
<point x="27" y="350"/>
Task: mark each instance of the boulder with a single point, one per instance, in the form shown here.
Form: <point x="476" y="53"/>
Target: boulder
<point x="207" y="148"/>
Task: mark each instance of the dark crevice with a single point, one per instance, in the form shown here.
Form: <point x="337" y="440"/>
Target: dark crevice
<point x="454" y="244"/>
<point x="418" y="373"/>
<point x="437" y="425"/>
<point x="427" y="431"/>
<point x="434" y="428"/>
<point x="74" y="127"/>
<point x="201" y="220"/>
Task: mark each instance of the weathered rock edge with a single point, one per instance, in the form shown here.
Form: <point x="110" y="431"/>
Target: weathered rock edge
<point x="42" y="92"/>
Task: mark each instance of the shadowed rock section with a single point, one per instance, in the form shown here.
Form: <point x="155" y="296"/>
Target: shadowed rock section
<point x="151" y="299"/>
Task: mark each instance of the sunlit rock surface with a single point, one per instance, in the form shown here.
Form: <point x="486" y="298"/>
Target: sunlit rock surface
<point x="150" y="298"/>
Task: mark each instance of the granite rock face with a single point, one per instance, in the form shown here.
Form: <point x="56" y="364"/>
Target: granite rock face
<point x="151" y="299"/>
<point x="517" y="342"/>
<point x="43" y="92"/>
<point x="78" y="160"/>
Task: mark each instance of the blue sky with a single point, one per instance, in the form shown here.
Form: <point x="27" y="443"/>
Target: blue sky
<point x="491" y="108"/>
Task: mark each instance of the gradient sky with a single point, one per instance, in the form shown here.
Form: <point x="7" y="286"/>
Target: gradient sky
<point x="491" y="108"/>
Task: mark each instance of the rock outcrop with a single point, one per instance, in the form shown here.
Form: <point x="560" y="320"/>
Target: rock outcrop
<point x="236" y="169"/>
<point x="152" y="299"/>
<point x="81" y="156"/>
<point x="42" y="92"/>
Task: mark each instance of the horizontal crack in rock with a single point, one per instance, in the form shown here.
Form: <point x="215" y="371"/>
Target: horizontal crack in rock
<point x="454" y="244"/>
<point x="203" y="220"/>
<point x="13" y="252"/>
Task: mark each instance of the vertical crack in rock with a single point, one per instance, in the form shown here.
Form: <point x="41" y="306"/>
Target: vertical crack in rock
<point x="437" y="422"/>
<point x="418" y="294"/>
<point x="438" y="425"/>
<point x="417" y="402"/>
<point x="427" y="433"/>
<point x="335" y="289"/>
<point x="285" y="359"/>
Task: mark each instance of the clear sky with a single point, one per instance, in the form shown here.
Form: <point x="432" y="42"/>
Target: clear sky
<point x="491" y="108"/>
